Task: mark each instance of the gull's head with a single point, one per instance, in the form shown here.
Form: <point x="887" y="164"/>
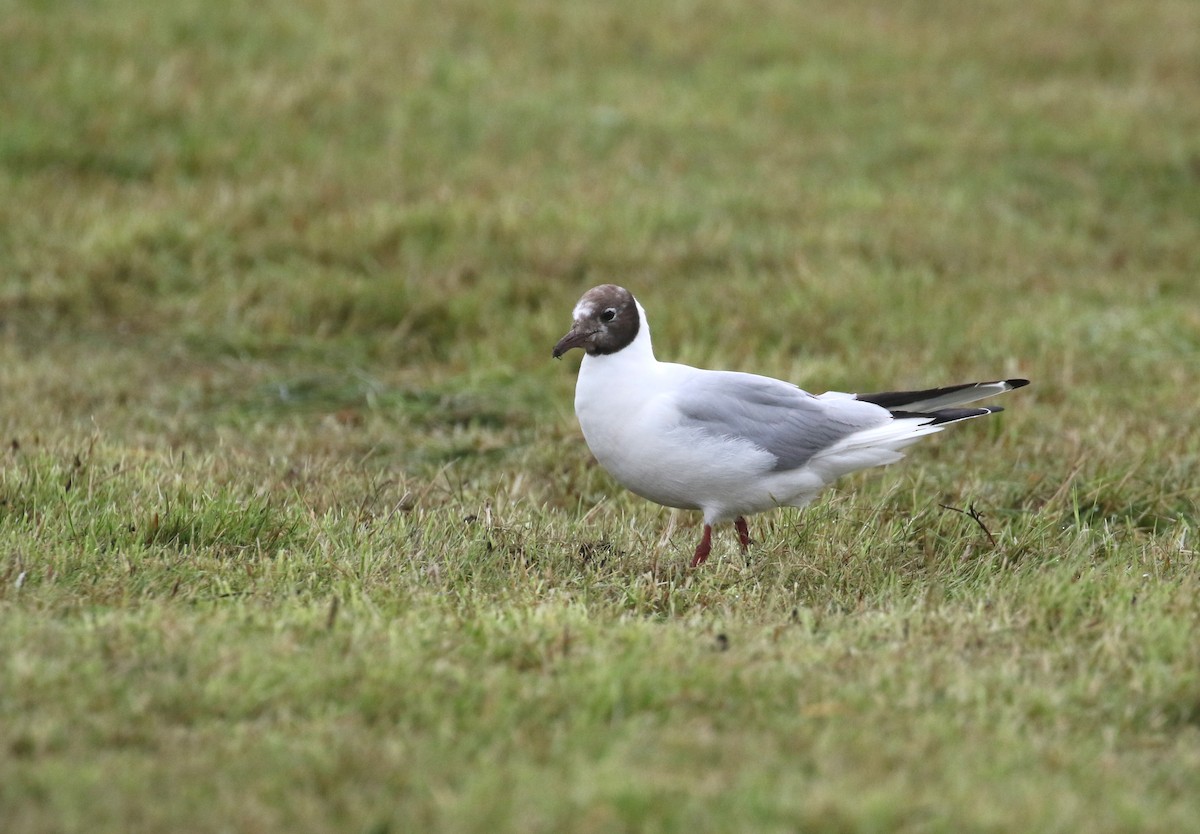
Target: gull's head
<point x="605" y="320"/>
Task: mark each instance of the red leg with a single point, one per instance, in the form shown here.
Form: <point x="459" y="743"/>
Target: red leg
<point x="743" y="532"/>
<point x="704" y="547"/>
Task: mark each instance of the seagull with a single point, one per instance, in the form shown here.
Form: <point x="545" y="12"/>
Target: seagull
<point x="732" y="444"/>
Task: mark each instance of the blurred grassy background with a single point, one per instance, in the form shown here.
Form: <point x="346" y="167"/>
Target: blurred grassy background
<point x="278" y="286"/>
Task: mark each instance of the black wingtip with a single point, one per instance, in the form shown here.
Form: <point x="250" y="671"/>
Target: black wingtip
<point x="893" y="400"/>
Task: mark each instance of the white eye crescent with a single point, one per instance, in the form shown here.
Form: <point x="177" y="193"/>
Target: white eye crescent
<point x="608" y="315"/>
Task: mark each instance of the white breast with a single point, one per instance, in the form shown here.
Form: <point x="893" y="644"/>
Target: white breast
<point x="629" y="418"/>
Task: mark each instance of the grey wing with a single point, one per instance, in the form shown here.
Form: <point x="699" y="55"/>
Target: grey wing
<point x="791" y="424"/>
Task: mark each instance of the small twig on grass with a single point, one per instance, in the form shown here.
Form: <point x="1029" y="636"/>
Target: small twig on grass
<point x="975" y="516"/>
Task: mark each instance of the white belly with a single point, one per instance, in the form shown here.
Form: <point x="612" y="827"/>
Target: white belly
<point x="636" y="433"/>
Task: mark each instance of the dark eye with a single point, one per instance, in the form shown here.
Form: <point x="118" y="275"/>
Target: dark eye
<point x="608" y="315"/>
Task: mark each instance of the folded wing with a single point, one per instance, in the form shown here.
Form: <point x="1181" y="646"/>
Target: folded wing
<point x="791" y="424"/>
<point x="797" y="427"/>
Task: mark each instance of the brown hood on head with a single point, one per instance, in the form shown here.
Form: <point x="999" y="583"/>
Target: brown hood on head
<point x="606" y="320"/>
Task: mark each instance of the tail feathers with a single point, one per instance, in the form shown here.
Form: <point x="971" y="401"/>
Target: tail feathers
<point x="943" y="416"/>
<point x="905" y="427"/>
<point x="931" y="400"/>
<point x="912" y="419"/>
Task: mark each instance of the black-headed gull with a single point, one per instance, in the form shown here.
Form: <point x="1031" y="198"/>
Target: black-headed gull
<point x="732" y="444"/>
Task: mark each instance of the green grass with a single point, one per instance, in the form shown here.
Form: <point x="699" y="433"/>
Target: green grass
<point x="297" y="530"/>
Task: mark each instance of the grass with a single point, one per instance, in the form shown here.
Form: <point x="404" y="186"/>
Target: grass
<point x="297" y="530"/>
